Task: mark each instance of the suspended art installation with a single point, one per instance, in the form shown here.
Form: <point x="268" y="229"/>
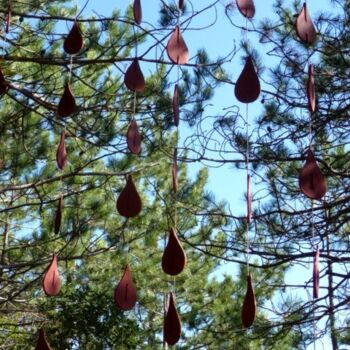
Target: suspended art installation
<point x="177" y="49"/>
<point x="52" y="281"/>
<point x="181" y="4"/>
<point x="249" y="199"/>
<point x="311" y="180"/>
<point x="61" y="154"/>
<point x="176" y="108"/>
<point x="137" y="11"/>
<point x="134" y="137"/>
<point x="249" y="305"/>
<point x="129" y="201"/>
<point x="58" y="217"/>
<point x="172" y="323"/>
<point x="42" y="343"/>
<point x="305" y="28"/>
<point x="316" y="274"/>
<point x="67" y="105"/>
<point x="174" y="172"/>
<point x="247" y="87"/>
<point x="311" y="92"/>
<point x="3" y="84"/>
<point x="74" y="41"/>
<point x="134" y="79"/>
<point x="246" y="8"/>
<point x="125" y="295"/>
<point x="174" y="257"/>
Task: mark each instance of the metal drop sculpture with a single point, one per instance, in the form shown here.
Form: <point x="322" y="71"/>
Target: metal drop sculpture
<point x="134" y="137"/>
<point x="176" y="108"/>
<point x="247" y="87"/>
<point x="134" y="79"/>
<point x="125" y="295"/>
<point x="311" y="91"/>
<point x="311" y="180"/>
<point x="61" y="154"/>
<point x="176" y="48"/>
<point x="316" y="274"/>
<point x="246" y="8"/>
<point x="174" y="171"/>
<point x="249" y="200"/>
<point x="42" y="343"/>
<point x="67" y="105"/>
<point x="129" y="201"/>
<point x="137" y="9"/>
<point x="305" y="28"/>
<point x="174" y="257"/>
<point x="74" y="41"/>
<point x="172" y="323"/>
<point x="249" y="305"/>
<point x="3" y="84"/>
<point x="58" y="217"/>
<point x="52" y="281"/>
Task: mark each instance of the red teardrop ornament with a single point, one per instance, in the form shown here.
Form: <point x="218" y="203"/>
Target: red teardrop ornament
<point x="137" y="11"/>
<point x="3" y="84"/>
<point x="176" y="108"/>
<point x="61" y="154"/>
<point x="247" y="87"/>
<point x="311" y="94"/>
<point x="177" y="49"/>
<point x="58" y="218"/>
<point x="42" y="343"/>
<point x="133" y="78"/>
<point x="249" y="200"/>
<point x="125" y="294"/>
<point x="305" y="28"/>
<point x="174" y="172"/>
<point x="172" y="323"/>
<point x="67" y="104"/>
<point x="316" y="274"/>
<point x="129" y="201"/>
<point x="52" y="281"/>
<point x="74" y="41"/>
<point x="311" y="180"/>
<point x="249" y="305"/>
<point x="246" y="8"/>
<point x="181" y="4"/>
<point x="174" y="257"/>
<point x="134" y="137"/>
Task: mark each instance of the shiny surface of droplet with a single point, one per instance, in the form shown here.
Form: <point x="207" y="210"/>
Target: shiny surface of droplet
<point x="305" y="28"/>
<point x="133" y="137"/>
<point x="174" y="257"/>
<point x="249" y="305"/>
<point x="42" y="343"/>
<point x="61" y="154"/>
<point x="177" y="49"/>
<point x="52" y="281"/>
<point x="316" y="274"/>
<point x="134" y="79"/>
<point x="74" y="41"/>
<point x="67" y="105"/>
<point x="249" y="199"/>
<point x="176" y="108"/>
<point x="174" y="172"/>
<point x="125" y="295"/>
<point x="137" y="11"/>
<point x="311" y="93"/>
<point x="58" y="217"/>
<point x="311" y="180"/>
<point x="129" y="201"/>
<point x="246" y="8"/>
<point x="247" y="87"/>
<point x="172" y="323"/>
<point x="3" y="84"/>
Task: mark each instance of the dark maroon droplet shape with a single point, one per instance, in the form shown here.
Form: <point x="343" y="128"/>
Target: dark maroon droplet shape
<point x="61" y="154"/>
<point x="181" y="4"/>
<point x="137" y="8"/>
<point x="134" y="137"/>
<point x="67" y="105"/>
<point x="177" y="49"/>
<point x="58" y="217"/>
<point x="311" y="92"/>
<point x="52" y="281"/>
<point x="246" y="8"/>
<point x="172" y="323"/>
<point x="125" y="295"/>
<point x="176" y="108"/>
<point x="129" y="201"/>
<point x="74" y="41"/>
<point x="249" y="305"/>
<point x="305" y="28"/>
<point x="3" y="84"/>
<point x="42" y="343"/>
<point x="134" y="79"/>
<point x="8" y="19"/>
<point x="316" y="274"/>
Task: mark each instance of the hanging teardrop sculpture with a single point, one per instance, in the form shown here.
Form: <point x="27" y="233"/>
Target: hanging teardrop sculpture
<point x="58" y="217"/>
<point x="249" y="200"/>
<point x="311" y="93"/>
<point x="134" y="79"/>
<point x="42" y="343"/>
<point x="8" y="20"/>
<point x="129" y="201"/>
<point x="61" y="154"/>
<point x="174" y="172"/>
<point x="181" y="4"/>
<point x="247" y="87"/>
<point x="137" y="11"/>
<point x="67" y="104"/>
<point x="172" y="323"/>
<point x="177" y="49"/>
<point x="305" y="28"/>
<point x="316" y="274"/>
<point x="74" y="41"/>
<point x="174" y="257"/>
<point x="3" y="84"/>
<point x="176" y="108"/>
<point x="125" y="294"/>
<point x="52" y="281"/>
<point x="249" y="305"/>
<point x="134" y="137"/>
<point x="311" y="180"/>
<point x="246" y="8"/>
